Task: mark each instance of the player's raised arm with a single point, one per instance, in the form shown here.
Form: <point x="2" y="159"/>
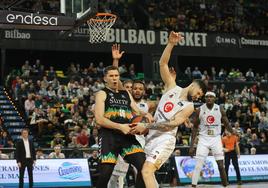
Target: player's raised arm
<point x="116" y="54"/>
<point x="166" y="76"/>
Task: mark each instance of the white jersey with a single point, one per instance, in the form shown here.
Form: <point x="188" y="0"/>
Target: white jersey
<point x="143" y="106"/>
<point x="210" y="121"/>
<point x="169" y="104"/>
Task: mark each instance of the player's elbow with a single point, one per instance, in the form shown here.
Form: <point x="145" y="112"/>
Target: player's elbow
<point x="99" y="120"/>
<point x="163" y="63"/>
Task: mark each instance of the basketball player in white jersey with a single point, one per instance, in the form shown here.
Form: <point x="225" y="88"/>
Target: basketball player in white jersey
<point x="138" y="91"/>
<point x="174" y="108"/>
<point x="207" y="120"/>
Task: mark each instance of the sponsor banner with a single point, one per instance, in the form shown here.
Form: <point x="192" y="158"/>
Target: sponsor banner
<point x="147" y="37"/>
<point x="24" y="20"/>
<point x="48" y="173"/>
<point x="142" y="37"/>
<point x="252" y="168"/>
<point x="225" y="40"/>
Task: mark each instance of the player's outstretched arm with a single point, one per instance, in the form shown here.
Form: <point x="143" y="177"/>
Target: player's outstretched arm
<point x="225" y="120"/>
<point x="166" y="76"/>
<point x="101" y="119"/>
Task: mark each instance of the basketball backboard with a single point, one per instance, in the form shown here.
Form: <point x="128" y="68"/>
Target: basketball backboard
<point x="77" y="8"/>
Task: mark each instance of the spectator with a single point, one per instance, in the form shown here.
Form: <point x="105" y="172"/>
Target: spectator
<point x="57" y="140"/>
<point x="188" y="72"/>
<point x="93" y="138"/>
<point x="196" y="74"/>
<point x="73" y="143"/>
<point x="255" y="141"/>
<point x="82" y="139"/>
<point x="26" y="69"/>
<point x="238" y="129"/>
<point x="40" y="154"/>
<point x="57" y="153"/>
<point x="3" y="155"/>
<point x="51" y="72"/>
<point x="29" y="105"/>
<point x="262" y="125"/>
<point x="100" y="69"/>
<point x="253" y="151"/>
<point x="5" y="140"/>
<point x="250" y="75"/>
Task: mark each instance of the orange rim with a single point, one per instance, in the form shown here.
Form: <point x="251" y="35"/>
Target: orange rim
<point x="111" y="19"/>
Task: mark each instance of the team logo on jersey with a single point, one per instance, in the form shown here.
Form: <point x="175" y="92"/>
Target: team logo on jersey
<point x="180" y="103"/>
<point x="210" y="119"/>
<point x="123" y="96"/>
<point x="111" y="94"/>
<point x="170" y="96"/>
<point x="168" y="106"/>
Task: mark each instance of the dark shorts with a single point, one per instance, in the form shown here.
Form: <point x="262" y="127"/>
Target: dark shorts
<point x="113" y="144"/>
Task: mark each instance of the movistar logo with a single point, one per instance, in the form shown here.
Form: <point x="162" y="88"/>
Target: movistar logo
<point x="32" y="19"/>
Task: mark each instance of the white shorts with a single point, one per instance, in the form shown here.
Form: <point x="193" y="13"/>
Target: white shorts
<point x="206" y="143"/>
<point x="141" y="140"/>
<point x="159" y="149"/>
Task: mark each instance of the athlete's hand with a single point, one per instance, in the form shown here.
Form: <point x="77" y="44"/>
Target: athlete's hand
<point x="124" y="128"/>
<point x="191" y="151"/>
<point x="149" y="117"/>
<point x="225" y="150"/>
<point x="174" y="38"/>
<point x="188" y="123"/>
<point x="19" y="164"/>
<point x="116" y="51"/>
<point x="138" y="129"/>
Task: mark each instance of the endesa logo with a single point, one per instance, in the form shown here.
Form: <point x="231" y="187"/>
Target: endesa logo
<point x="32" y="19"/>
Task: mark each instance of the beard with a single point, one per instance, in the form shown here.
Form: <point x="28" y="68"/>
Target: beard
<point x="137" y="98"/>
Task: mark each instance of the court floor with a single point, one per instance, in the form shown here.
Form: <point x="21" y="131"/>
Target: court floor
<point x="245" y="185"/>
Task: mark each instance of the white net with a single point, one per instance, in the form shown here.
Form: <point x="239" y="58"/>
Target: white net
<point x="99" y="27"/>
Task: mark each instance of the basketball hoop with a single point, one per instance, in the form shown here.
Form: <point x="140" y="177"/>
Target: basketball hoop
<point x="99" y="26"/>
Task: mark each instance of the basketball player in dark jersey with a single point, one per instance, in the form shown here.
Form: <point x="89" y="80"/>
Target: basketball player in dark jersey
<point x="113" y="111"/>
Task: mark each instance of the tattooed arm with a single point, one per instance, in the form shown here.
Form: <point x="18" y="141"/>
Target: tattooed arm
<point x="196" y="123"/>
<point x="225" y="121"/>
<point x="177" y="120"/>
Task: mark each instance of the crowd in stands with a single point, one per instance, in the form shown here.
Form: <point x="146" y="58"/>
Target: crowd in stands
<point x="245" y="17"/>
<point x="60" y="113"/>
<point x="41" y="6"/>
